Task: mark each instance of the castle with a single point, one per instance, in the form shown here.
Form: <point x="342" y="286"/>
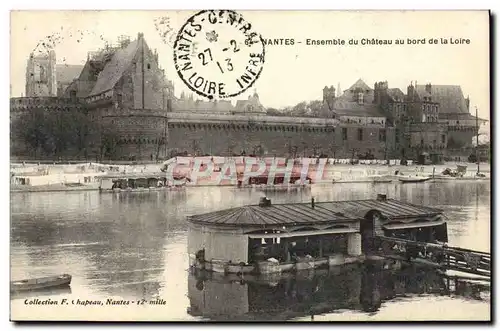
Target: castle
<point x="124" y="91"/>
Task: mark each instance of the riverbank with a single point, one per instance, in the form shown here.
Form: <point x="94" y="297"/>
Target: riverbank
<point x="67" y="177"/>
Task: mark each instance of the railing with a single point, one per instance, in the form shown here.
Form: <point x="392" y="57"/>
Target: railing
<point x="439" y="256"/>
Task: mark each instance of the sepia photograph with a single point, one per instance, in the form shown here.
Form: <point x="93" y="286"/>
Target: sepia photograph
<point x="250" y="166"/>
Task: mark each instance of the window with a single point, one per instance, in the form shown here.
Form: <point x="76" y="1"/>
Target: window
<point x="360" y="98"/>
<point x="421" y="142"/>
<point x="382" y="135"/>
<point x="396" y="137"/>
<point x="443" y="139"/>
<point x="344" y="133"/>
<point x="360" y="134"/>
<point x="149" y="66"/>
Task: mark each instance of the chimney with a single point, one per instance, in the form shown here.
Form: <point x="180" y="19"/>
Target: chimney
<point x="264" y="202"/>
<point x="312" y="203"/>
<point x="381" y="197"/>
<point x="428" y="88"/>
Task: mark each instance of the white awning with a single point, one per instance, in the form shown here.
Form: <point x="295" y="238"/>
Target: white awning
<point x="302" y="233"/>
<point x="412" y="225"/>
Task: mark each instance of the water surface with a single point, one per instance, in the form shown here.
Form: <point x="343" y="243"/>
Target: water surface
<point x="133" y="246"/>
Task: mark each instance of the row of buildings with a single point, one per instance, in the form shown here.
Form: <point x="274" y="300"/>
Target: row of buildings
<point x="123" y="89"/>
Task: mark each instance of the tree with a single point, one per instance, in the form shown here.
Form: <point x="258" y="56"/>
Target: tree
<point x="83" y="133"/>
<point x="56" y="133"/>
<point x="30" y="127"/>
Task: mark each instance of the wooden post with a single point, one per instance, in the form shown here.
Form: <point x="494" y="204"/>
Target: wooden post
<point x="320" y="247"/>
<point x="287" y="249"/>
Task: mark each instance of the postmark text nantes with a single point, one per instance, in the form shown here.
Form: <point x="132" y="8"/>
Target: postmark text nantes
<point x="229" y="54"/>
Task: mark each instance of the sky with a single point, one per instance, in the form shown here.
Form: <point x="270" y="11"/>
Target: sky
<point x="291" y="74"/>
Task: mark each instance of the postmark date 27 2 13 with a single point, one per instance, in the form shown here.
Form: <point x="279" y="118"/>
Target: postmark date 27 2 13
<point x="217" y="54"/>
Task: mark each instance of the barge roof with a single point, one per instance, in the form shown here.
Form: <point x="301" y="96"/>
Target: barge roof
<point x="321" y="213"/>
<point x="135" y="175"/>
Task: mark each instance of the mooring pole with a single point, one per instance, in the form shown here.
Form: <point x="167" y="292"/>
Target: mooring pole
<point x="477" y="142"/>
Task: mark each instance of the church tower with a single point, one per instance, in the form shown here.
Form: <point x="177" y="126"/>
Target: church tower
<point x="41" y="75"/>
<point x="329" y="96"/>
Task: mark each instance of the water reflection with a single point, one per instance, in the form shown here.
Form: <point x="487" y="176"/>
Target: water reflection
<point x="134" y="245"/>
<point x="355" y="288"/>
<point x="40" y="293"/>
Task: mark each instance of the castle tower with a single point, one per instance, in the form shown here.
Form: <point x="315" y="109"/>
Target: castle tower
<point x="380" y="92"/>
<point x="410" y="91"/>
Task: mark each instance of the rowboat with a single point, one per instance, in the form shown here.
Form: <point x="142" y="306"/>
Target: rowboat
<point x="40" y="283"/>
<point x="380" y="179"/>
<point x="413" y="179"/>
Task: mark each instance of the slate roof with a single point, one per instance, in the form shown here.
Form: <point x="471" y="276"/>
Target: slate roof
<point x="114" y="69"/>
<point x="344" y="106"/>
<point x="450" y="97"/>
<point x="460" y="117"/>
<point x="396" y="94"/>
<point x="361" y="85"/>
<point x="253" y="102"/>
<point x="66" y="73"/>
<point x="304" y="214"/>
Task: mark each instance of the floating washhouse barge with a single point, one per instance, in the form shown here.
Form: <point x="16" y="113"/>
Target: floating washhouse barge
<point x="269" y="238"/>
<point x="137" y="182"/>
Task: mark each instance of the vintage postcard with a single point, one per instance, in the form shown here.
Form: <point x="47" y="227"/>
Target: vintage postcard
<point x="225" y="165"/>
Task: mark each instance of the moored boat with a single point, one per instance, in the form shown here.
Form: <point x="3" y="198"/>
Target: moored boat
<point x="268" y="239"/>
<point x="415" y="179"/>
<point x="380" y="179"/>
<point x="40" y="283"/>
<point x="140" y="182"/>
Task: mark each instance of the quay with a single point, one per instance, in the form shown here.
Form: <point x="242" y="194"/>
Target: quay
<point x="275" y="238"/>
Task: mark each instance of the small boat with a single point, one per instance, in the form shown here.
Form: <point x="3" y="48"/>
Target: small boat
<point x="40" y="283"/>
<point x="413" y="179"/>
<point x="380" y="179"/>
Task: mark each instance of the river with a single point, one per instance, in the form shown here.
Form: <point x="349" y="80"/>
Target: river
<point x="132" y="246"/>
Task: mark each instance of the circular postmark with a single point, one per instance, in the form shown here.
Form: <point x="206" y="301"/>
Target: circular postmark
<point x="217" y="54"/>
